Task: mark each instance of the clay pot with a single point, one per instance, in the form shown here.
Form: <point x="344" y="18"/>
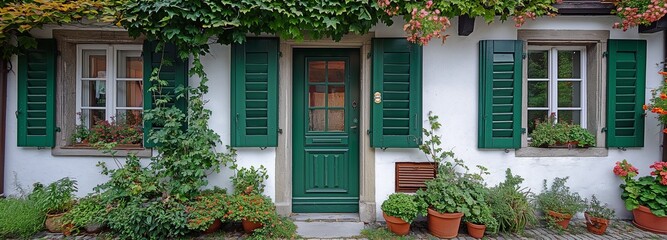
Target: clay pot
<point x="476" y="230"/>
<point x="648" y="221"/>
<point x="444" y="225"/>
<point x="68" y="229"/>
<point x="214" y="227"/>
<point x="397" y="225"/>
<point x="596" y="225"/>
<point x="93" y="227"/>
<point x="249" y="226"/>
<point x="54" y="222"/>
<point x="561" y="219"/>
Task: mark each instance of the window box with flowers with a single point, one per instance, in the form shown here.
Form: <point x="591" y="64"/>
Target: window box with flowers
<point x="634" y="13"/>
<point x="646" y="196"/>
<point x="124" y="130"/>
<point x="560" y="134"/>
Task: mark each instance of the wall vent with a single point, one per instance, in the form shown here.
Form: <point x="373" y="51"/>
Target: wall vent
<point x="411" y="176"/>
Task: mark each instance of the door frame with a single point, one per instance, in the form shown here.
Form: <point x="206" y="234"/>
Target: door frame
<point x="367" y="205"/>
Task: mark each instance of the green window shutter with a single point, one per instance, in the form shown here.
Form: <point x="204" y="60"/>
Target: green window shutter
<point x="626" y="73"/>
<point x="254" y="85"/>
<point x="176" y="74"/>
<point x="500" y="77"/>
<point x="397" y="82"/>
<point x="36" y="95"/>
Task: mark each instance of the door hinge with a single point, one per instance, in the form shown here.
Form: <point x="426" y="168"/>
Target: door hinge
<point x="58" y="129"/>
<point x="604" y="129"/>
<point x="280" y="131"/>
<point x="280" y="54"/>
<point x="523" y="55"/>
<point x="369" y="131"/>
<point x="523" y="130"/>
<point x="605" y="54"/>
<point x="369" y="55"/>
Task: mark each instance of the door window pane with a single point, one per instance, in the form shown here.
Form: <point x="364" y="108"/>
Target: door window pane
<point x="316" y="119"/>
<point x="538" y="94"/>
<point x="569" y="94"/>
<point x="336" y="96"/>
<point x="336" y="71"/>
<point x="129" y="64"/>
<point x="129" y="94"/>
<point x="569" y="64"/>
<point x="336" y="120"/>
<point x="93" y="93"/>
<point x="316" y="71"/>
<point x="538" y="64"/>
<point x="316" y="95"/>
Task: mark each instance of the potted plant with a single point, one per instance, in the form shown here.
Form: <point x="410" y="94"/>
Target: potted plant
<point x="479" y="218"/>
<point x="208" y="210"/>
<point x="646" y="196"/>
<point x="638" y="12"/>
<point x="558" y="203"/>
<point x="252" y="210"/>
<point x="552" y="133"/>
<point x="510" y="204"/>
<point x="399" y="210"/>
<point x="55" y="200"/>
<point x="249" y="180"/>
<point x="89" y="214"/>
<point x="598" y="216"/>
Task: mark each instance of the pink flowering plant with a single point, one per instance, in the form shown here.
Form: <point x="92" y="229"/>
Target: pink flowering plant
<point x="649" y="191"/>
<point x="639" y="12"/>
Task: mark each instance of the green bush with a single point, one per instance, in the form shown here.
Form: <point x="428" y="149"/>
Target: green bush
<point x="277" y="227"/>
<point x="402" y="206"/>
<point x="510" y="204"/>
<point x="89" y="210"/>
<point x="57" y="197"/>
<point x="149" y="220"/>
<point x="20" y="218"/>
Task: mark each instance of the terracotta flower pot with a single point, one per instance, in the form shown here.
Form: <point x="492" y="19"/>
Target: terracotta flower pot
<point x="397" y="225"/>
<point x="444" y="225"/>
<point x="54" y="222"/>
<point x="214" y="227"/>
<point x="596" y="225"/>
<point x="476" y="230"/>
<point x="249" y="226"/>
<point x="68" y="229"/>
<point x="561" y="219"/>
<point x="648" y="221"/>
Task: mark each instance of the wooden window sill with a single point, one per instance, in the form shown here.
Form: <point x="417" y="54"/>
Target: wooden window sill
<point x="86" y="151"/>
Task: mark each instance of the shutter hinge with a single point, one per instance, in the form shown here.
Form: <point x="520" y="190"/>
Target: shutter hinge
<point x="369" y="131"/>
<point x="368" y="56"/>
<point x="523" y="55"/>
<point x="605" y="54"/>
<point x="280" y="54"/>
<point x="604" y="129"/>
<point x="523" y="130"/>
<point x="58" y="129"/>
<point x="280" y="130"/>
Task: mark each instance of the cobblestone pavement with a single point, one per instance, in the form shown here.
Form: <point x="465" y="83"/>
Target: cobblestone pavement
<point x="577" y="231"/>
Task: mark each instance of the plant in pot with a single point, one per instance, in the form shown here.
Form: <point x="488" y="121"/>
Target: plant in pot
<point x="559" y="204"/>
<point x="55" y="200"/>
<point x="480" y="217"/>
<point x="598" y="216"/>
<point x="510" y="204"/>
<point x="254" y="211"/>
<point x="89" y="213"/>
<point x="646" y="196"/>
<point x="249" y="180"/>
<point x="638" y="12"/>
<point x="206" y="211"/>
<point x="399" y="210"/>
<point x="552" y="133"/>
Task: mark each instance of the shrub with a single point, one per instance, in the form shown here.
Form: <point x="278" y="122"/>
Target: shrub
<point x="20" y="218"/>
<point x="203" y="210"/>
<point x="254" y="208"/>
<point x="57" y="197"/>
<point x="149" y="220"/>
<point x="510" y="204"/>
<point x="250" y="181"/>
<point x="402" y="206"/>
<point x="90" y="209"/>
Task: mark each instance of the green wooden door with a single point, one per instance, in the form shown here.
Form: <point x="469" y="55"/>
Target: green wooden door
<point x="326" y="130"/>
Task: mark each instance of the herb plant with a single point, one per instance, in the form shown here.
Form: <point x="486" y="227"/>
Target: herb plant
<point x="510" y="204"/>
<point x="595" y="209"/>
<point x="558" y="198"/>
<point x="401" y="205"/>
<point x="250" y="181"/>
<point x="21" y="218"/>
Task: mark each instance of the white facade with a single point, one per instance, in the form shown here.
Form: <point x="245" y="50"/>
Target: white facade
<point x="450" y="79"/>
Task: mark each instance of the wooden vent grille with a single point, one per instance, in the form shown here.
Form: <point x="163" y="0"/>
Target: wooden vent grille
<point x="411" y="176"/>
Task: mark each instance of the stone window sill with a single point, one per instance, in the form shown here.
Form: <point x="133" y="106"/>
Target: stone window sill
<point x="92" y="152"/>
<point x="561" y="152"/>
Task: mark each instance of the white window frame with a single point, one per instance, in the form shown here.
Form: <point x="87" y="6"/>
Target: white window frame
<point x="552" y="78"/>
<point x="110" y="78"/>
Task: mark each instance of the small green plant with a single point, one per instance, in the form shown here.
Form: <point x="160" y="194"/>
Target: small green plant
<point x="558" y="198"/>
<point x="380" y="233"/>
<point x="81" y="132"/>
<point x="55" y="198"/>
<point x="20" y="217"/>
<point x="596" y="209"/>
<point x="277" y="227"/>
<point x="250" y="181"/>
<point x="553" y="133"/>
<point x="254" y="208"/>
<point x="89" y="210"/>
<point x="203" y="210"/>
<point x="154" y="219"/>
<point x="402" y="206"/>
<point x="510" y="204"/>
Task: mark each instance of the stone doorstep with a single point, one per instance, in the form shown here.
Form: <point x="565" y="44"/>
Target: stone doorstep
<point x="325" y="217"/>
<point x="326" y="230"/>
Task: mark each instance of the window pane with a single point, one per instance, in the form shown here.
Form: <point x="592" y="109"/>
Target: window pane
<point x="93" y="93"/>
<point x="570" y="116"/>
<point x="336" y="71"/>
<point x="129" y="117"/>
<point x="336" y="120"/>
<point x="538" y="62"/>
<point x="569" y="94"/>
<point x="538" y="94"/>
<point x="130" y="94"/>
<point x="535" y="116"/>
<point x="130" y="64"/>
<point x="92" y="116"/>
<point x="337" y="96"/>
<point x="316" y="95"/>
<point x="316" y="119"/>
<point x="316" y="71"/>
<point x="94" y="64"/>
<point x="569" y="64"/>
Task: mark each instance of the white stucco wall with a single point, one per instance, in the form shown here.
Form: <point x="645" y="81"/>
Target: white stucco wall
<point x="451" y="92"/>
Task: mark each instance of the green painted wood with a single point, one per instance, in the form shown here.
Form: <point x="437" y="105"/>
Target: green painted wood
<point x="325" y="166"/>
<point x="397" y="77"/>
<point x="255" y="93"/>
<point x="36" y="95"/>
<point x="626" y="82"/>
<point x="500" y="77"/>
<point x="174" y="71"/>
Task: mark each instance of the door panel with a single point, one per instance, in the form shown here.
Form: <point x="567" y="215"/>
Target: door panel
<point x="326" y="135"/>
